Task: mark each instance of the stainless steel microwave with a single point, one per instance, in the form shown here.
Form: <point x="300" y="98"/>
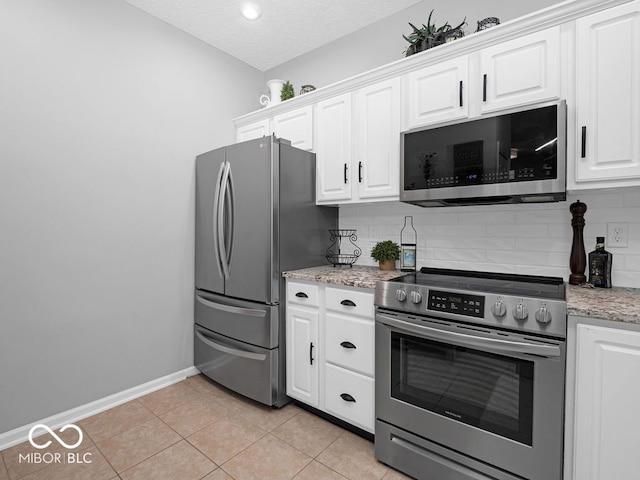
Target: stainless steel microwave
<point x="517" y="157"/>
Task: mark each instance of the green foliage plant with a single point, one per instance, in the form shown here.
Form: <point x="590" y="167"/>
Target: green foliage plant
<point x="385" y="250"/>
<point x="287" y="91"/>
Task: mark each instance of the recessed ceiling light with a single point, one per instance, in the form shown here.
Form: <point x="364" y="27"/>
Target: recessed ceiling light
<point x="251" y="11"/>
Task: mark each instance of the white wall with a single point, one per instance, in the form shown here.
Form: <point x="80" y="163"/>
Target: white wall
<point x="102" y="111"/>
<point x="533" y="239"/>
<point x="382" y="42"/>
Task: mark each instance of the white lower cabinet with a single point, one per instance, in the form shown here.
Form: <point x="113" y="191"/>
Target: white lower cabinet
<point x="330" y="350"/>
<point x="603" y="394"/>
<point x="349" y="396"/>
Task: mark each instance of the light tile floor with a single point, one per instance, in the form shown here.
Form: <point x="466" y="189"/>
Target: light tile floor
<point x="197" y="430"/>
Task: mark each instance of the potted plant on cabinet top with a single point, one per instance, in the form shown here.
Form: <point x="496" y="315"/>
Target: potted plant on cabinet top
<point x="431" y="36"/>
<point x="386" y="253"/>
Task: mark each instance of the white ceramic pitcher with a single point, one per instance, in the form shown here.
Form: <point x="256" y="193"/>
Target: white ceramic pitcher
<point x="275" y="88"/>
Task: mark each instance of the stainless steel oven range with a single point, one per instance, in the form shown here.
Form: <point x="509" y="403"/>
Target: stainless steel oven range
<point x="470" y="375"/>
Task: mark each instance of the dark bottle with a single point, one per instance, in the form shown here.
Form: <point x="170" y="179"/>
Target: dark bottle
<point x="600" y="265"/>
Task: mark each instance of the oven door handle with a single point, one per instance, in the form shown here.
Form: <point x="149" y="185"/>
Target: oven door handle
<point x="471" y="340"/>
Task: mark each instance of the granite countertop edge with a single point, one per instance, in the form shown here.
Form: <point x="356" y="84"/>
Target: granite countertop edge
<point x="617" y="304"/>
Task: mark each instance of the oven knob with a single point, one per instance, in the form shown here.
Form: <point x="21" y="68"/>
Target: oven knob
<point x="543" y="315"/>
<point x="401" y="295"/>
<point x="416" y="297"/>
<point x="520" y="312"/>
<point x="499" y="309"/>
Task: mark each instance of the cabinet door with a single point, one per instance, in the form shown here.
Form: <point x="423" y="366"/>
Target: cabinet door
<point x="252" y="131"/>
<point x="607" y="418"/>
<point x="608" y="98"/>
<point x="438" y="93"/>
<point x="296" y="126"/>
<point x="302" y="353"/>
<point x="378" y="144"/>
<point x="333" y="149"/>
<point x="521" y="71"/>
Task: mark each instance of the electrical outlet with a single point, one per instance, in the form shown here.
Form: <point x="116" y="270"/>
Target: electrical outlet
<point x="617" y="235"/>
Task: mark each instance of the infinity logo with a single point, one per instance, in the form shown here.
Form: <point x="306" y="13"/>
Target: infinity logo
<point x="60" y="441"/>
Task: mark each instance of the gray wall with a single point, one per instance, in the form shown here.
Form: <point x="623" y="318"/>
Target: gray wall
<point x="382" y="42"/>
<point x="102" y="111"/>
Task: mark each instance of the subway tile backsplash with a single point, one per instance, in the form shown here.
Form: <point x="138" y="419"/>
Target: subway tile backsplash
<point x="533" y="239"/>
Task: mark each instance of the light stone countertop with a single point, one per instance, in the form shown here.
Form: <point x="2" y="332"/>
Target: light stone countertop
<point x="355" y="276"/>
<point x="618" y="304"/>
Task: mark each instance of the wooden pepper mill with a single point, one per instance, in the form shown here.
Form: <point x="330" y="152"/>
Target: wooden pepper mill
<point x="578" y="258"/>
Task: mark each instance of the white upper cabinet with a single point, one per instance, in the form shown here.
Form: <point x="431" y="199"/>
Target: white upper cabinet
<point x="438" y="93"/>
<point x="296" y="126"/>
<point x="358" y="145"/>
<point x="608" y="99"/>
<point x="253" y="130"/>
<point x="378" y="141"/>
<point x="333" y="149"/>
<point x="521" y="71"/>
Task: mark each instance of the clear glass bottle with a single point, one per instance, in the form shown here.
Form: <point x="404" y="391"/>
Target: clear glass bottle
<point x="600" y="265"/>
<point x="408" y="243"/>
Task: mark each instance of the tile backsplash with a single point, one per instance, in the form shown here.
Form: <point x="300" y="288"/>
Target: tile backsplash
<point x="533" y="239"/>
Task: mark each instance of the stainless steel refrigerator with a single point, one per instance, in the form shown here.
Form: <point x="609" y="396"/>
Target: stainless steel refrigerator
<point x="255" y="218"/>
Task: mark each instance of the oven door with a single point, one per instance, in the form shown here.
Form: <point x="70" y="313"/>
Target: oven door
<point x="474" y="398"/>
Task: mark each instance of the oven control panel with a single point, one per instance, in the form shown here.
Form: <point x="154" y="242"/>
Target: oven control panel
<point x="458" y="303"/>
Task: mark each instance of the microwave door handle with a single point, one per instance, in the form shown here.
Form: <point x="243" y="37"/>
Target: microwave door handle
<point x="216" y="223"/>
<point x="466" y="340"/>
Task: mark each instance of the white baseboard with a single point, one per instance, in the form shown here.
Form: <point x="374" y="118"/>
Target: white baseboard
<point x="20" y="434"/>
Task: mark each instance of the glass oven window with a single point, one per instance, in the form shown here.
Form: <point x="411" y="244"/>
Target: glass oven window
<point x="488" y="391"/>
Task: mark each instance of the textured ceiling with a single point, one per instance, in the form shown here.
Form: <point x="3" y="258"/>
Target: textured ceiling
<point x="286" y="29"/>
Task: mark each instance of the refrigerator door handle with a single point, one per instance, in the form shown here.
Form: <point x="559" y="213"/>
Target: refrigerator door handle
<point x="231" y="351"/>
<point x="252" y="312"/>
<point x="232" y="216"/>
<point x="222" y="207"/>
<point x="216" y="220"/>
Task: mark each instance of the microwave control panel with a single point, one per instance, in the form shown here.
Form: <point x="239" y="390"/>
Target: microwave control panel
<point x="458" y="303"/>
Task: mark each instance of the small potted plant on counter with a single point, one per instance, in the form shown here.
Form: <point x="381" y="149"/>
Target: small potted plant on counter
<point x="386" y="253"/>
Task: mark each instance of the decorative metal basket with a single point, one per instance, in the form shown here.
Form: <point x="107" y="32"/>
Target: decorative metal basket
<point x="487" y="23"/>
<point x="342" y="252"/>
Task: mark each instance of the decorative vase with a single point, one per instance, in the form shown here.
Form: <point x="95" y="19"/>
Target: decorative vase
<point x="275" y="87"/>
<point x="387" y="265"/>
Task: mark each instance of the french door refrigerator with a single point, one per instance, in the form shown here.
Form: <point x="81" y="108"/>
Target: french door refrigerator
<point x="255" y="218"/>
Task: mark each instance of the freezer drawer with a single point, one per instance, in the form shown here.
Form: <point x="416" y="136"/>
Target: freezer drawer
<point x="248" y="322"/>
<point x="248" y="370"/>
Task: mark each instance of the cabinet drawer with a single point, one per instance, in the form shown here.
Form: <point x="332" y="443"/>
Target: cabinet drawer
<point x="303" y="294"/>
<point x="350" y="396"/>
<point x="349" y="342"/>
<point x="350" y="302"/>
